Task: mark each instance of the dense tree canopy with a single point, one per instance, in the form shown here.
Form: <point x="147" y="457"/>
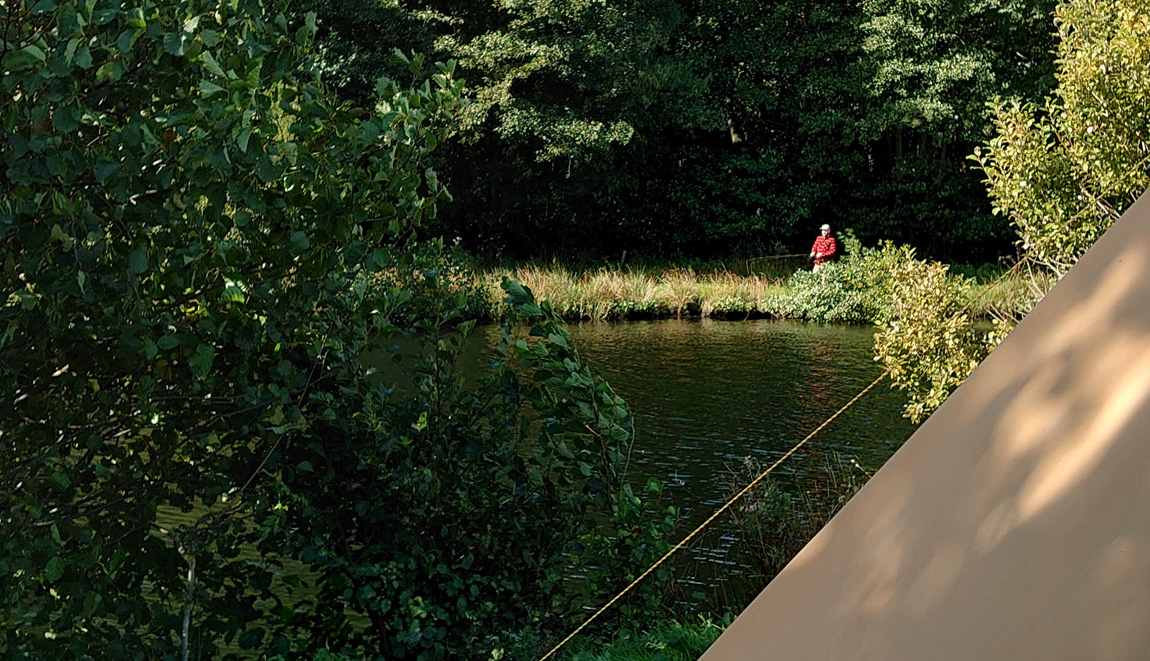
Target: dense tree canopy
<point x="714" y="127"/>
<point x="200" y="243"/>
<point x="1064" y="173"/>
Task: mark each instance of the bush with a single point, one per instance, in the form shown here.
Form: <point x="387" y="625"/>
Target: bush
<point x="856" y="288"/>
<point x="928" y="342"/>
<point x="498" y="491"/>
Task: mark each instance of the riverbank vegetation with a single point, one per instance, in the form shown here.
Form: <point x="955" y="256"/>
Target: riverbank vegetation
<point x="775" y="521"/>
<point x="1062" y="171"/>
<point x="210" y="212"/>
<point x="855" y="289"/>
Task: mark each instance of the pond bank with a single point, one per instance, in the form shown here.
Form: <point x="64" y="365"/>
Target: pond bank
<point x="843" y="292"/>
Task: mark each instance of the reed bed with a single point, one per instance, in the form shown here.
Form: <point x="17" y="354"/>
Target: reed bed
<point x="645" y="292"/>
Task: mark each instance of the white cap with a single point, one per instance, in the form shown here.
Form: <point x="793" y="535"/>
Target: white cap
<point x="825" y="227"/>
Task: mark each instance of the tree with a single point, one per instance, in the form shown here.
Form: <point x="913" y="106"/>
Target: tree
<point x="182" y="211"/>
<point x="1062" y="175"/>
<point x="1065" y="173"/>
<point x="200" y="244"/>
<point x="711" y="127"/>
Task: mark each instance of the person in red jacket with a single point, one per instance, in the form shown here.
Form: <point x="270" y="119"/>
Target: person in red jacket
<point x="824" y="248"/>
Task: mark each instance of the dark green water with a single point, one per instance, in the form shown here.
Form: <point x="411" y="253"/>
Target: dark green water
<point x="707" y="394"/>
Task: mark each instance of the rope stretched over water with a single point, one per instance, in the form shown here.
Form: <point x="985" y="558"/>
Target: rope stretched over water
<point x="760" y="478"/>
<point x="718" y="512"/>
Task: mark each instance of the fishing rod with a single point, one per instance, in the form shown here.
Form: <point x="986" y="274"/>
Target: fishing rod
<point x="759" y="259"/>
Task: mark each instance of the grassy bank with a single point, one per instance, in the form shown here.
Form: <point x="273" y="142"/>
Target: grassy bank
<point x="646" y="292"/>
<point x="843" y="292"/>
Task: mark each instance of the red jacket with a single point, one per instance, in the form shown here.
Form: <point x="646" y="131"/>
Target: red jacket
<point x="826" y="246"/>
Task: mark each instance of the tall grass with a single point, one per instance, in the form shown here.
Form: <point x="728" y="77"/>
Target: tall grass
<point x="736" y="289"/>
<point x="638" y="291"/>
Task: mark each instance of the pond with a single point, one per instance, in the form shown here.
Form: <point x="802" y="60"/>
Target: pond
<point x="707" y="394"/>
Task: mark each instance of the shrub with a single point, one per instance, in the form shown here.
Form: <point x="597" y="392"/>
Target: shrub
<point x="928" y="342"/>
<point x="856" y="288"/>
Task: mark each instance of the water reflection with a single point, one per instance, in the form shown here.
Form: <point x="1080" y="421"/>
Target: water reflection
<point x="707" y="394"/>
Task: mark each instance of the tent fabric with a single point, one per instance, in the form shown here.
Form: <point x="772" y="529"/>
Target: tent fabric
<point x="1015" y="523"/>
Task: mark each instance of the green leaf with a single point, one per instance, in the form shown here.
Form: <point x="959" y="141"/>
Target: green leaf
<point x="43" y="7"/>
<point x="201" y="360"/>
<point x="242" y="140"/>
<point x="176" y="43"/>
<point x="137" y="261"/>
<point x="105" y="170"/>
<point x="299" y="242"/>
<point x="67" y="20"/>
<point x="109" y="72"/>
<point x="54" y="569"/>
<point x="29" y="57"/>
<point x="126" y="40"/>
<point x="28" y="300"/>
<point x="83" y="57"/>
<point x="70" y="50"/>
<point x="232" y="294"/>
<point x="60" y="480"/>
<point x="208" y="88"/>
<point x="136" y="19"/>
<point x="211" y="65"/>
<point x="35" y="52"/>
<point x="168" y="342"/>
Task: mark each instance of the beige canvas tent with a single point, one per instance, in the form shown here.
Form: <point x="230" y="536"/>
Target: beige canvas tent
<point x="1015" y="523"/>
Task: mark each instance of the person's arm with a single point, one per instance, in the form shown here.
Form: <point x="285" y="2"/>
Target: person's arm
<point x="814" y="248"/>
<point x="830" y="247"/>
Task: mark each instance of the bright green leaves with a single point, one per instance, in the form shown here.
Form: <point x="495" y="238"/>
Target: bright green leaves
<point x="929" y="344"/>
<point x="1064" y="172"/>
